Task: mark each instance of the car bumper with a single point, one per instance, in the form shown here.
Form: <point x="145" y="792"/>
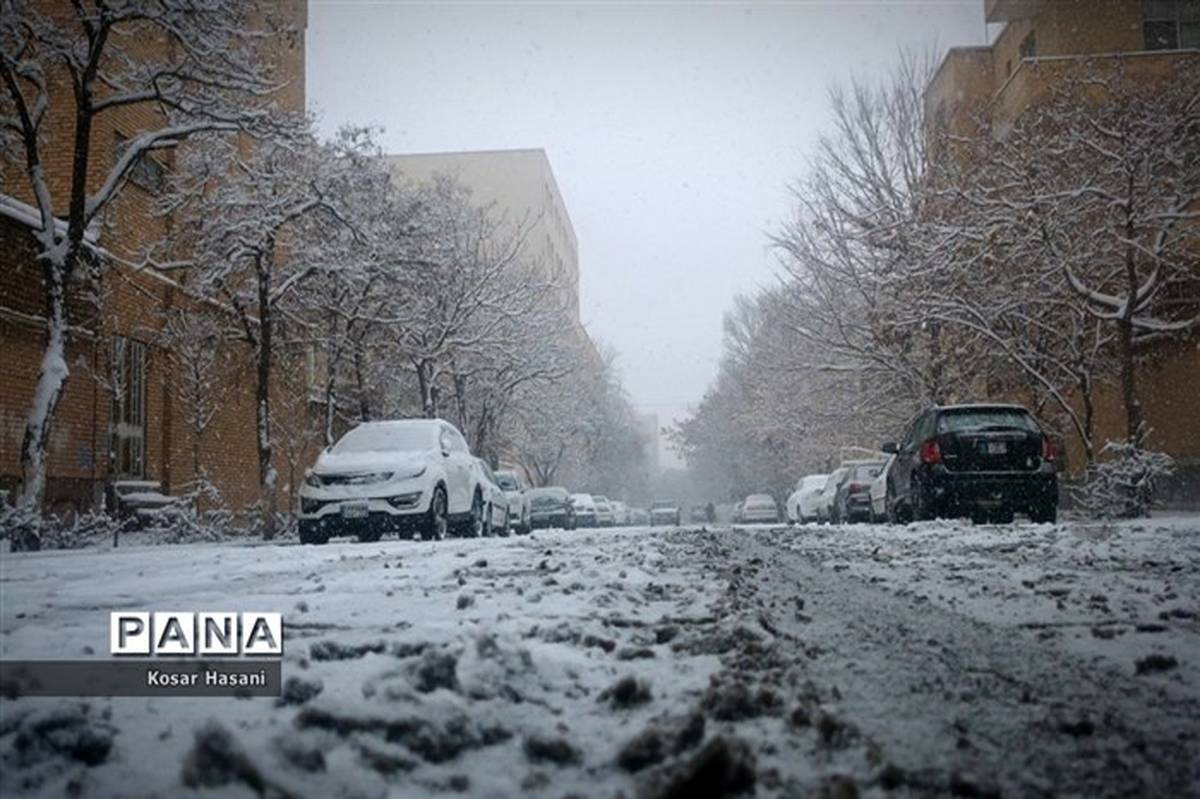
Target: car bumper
<point x="394" y="501"/>
<point x="761" y="517"/>
<point x="966" y="491"/>
<point x="552" y="519"/>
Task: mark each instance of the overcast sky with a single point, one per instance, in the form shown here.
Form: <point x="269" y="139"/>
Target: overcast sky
<point x="673" y="130"/>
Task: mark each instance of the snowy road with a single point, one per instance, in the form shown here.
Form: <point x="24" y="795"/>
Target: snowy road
<point x="935" y="659"/>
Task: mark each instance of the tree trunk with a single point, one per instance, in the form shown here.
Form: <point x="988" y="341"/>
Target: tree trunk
<point x="364" y="405"/>
<point x="51" y="380"/>
<point x="267" y="477"/>
<point x="1133" y="409"/>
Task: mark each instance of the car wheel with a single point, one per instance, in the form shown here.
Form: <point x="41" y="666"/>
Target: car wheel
<point x="922" y="510"/>
<point x="1044" y="513"/>
<point x="437" y="522"/>
<point x="370" y="536"/>
<point x="311" y="533"/>
<point x="477" y="522"/>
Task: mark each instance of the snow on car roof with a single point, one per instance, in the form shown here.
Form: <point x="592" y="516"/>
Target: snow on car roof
<point x="996" y="406"/>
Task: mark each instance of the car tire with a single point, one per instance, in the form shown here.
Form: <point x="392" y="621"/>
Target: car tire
<point x="1044" y="513"/>
<point x="370" y="536"/>
<point x="437" y="520"/>
<point x="311" y="533"/>
<point x="477" y="522"/>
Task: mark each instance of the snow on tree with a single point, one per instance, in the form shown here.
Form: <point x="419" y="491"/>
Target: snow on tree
<point x="1095" y="191"/>
<point x="194" y="68"/>
<point x="259" y="217"/>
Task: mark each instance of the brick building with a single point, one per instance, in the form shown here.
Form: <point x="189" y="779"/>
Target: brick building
<point x="120" y="416"/>
<point x="1041" y="43"/>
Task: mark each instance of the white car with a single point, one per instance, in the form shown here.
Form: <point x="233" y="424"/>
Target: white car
<point x="620" y="513"/>
<point x="495" y="501"/>
<point x="604" y="512"/>
<point x="760" y="509"/>
<point x="664" y="511"/>
<point x="878" y="492"/>
<point x="585" y="510"/>
<point x="412" y="476"/>
<point x="828" y="493"/>
<point x="802" y="504"/>
<point x="518" y="503"/>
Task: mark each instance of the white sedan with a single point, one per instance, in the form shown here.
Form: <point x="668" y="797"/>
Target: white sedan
<point x="412" y="476"/>
<point x="759" y="509"/>
<point x="824" y="501"/>
<point x="802" y="504"/>
<point x="518" y="502"/>
<point x="878" y="492"/>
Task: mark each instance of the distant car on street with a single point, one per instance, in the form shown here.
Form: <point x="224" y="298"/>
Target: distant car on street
<point x="878" y="492"/>
<point x="411" y="476"/>
<point x="620" y="513"/>
<point x="550" y="507"/>
<point x="518" y="503"/>
<point x="639" y="516"/>
<point x="986" y="461"/>
<point x="495" y="520"/>
<point x="760" y="509"/>
<point x="852" y="503"/>
<point x="664" y="511"/>
<point x="585" y="510"/>
<point x="604" y="512"/>
<point x="698" y="513"/>
<point x="802" y="504"/>
<point x="829" y="493"/>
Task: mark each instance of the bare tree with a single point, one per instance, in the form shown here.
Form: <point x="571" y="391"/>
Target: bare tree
<point x="193" y="67"/>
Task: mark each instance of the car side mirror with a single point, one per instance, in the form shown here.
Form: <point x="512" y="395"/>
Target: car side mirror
<point x="889" y="448"/>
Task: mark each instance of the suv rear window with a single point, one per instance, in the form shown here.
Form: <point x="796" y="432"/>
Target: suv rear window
<point x="867" y="472"/>
<point x="978" y="419"/>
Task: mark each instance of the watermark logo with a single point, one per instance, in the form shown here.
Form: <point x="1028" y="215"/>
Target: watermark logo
<point x="175" y="633"/>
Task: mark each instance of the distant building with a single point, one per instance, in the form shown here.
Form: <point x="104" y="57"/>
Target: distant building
<point x="520" y="185"/>
<point x="1044" y="42"/>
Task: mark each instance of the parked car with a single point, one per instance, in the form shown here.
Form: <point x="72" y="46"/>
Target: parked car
<point x="550" y="507"/>
<point x="986" y="461"/>
<point x="620" y="513"/>
<point x="759" y="509"/>
<point x="495" y="502"/>
<point x="518" y="503"/>
<point x="604" y="512"/>
<point x="639" y="516"/>
<point x="664" y="511"/>
<point x="802" y="504"/>
<point x="585" y="510"/>
<point x="412" y="476"/>
<point x="878" y="492"/>
<point x="852" y="502"/>
<point x="828" y="493"/>
<point x="698" y="513"/>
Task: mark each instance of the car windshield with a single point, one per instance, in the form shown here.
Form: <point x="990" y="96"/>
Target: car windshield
<point x="507" y="482"/>
<point x="759" y="499"/>
<point x="984" y="419"/>
<point x="387" y="438"/>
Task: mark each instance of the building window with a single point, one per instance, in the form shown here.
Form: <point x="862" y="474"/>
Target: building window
<point x="1028" y="48"/>
<point x="128" y="376"/>
<point x="1171" y="24"/>
<point x="146" y="172"/>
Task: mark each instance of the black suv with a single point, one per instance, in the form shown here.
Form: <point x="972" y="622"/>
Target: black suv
<point x="983" y="461"/>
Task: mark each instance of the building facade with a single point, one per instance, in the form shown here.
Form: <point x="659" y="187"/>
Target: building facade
<point x="519" y="188"/>
<point x="120" y="415"/>
<point x="1041" y="44"/>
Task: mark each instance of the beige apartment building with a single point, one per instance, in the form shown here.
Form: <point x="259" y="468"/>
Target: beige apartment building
<point x="1041" y="43"/>
<point x="519" y="186"/>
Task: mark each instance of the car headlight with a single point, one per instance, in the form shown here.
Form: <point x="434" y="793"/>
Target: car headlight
<point x="313" y="480"/>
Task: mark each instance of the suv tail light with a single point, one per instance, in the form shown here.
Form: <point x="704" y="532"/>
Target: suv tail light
<point x="855" y="488"/>
<point x="930" y="452"/>
<point x="1048" y="451"/>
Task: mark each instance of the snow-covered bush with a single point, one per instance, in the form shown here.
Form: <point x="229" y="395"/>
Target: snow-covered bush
<point x="27" y="531"/>
<point x="1121" y="483"/>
